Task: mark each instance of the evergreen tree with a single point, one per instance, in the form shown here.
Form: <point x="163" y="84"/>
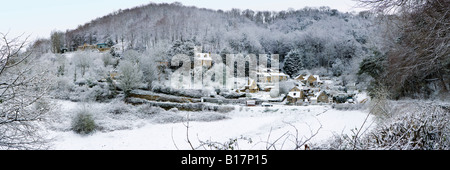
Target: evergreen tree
<point x="293" y="62"/>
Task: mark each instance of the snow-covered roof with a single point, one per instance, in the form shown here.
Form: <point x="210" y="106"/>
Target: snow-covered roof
<point x="265" y="74"/>
<point x="333" y="93"/>
<point x="202" y="56"/>
<point x="316" y="94"/>
<point x="278" y="74"/>
<point x="317" y="77"/>
<point x="298" y="77"/>
<point x="294" y="94"/>
<point x="268" y="87"/>
<point x="262" y="69"/>
<point x="297" y="88"/>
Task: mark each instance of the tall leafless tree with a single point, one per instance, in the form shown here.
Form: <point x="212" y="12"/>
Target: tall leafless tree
<point x="22" y="87"/>
<point x="419" y="54"/>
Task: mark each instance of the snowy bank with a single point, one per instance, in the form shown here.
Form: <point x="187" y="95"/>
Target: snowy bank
<point x="134" y="129"/>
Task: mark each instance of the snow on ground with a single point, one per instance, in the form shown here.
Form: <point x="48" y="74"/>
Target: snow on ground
<point x="69" y="55"/>
<point x="278" y="124"/>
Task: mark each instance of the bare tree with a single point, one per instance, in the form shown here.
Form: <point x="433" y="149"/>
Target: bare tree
<point x="419" y="51"/>
<point x="22" y="88"/>
<point x="391" y="6"/>
<point x="57" y="41"/>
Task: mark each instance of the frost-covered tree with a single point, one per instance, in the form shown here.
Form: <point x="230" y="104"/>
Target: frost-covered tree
<point x="148" y="65"/>
<point x="23" y="86"/>
<point x="130" y="76"/>
<point x="373" y="65"/>
<point x="108" y="59"/>
<point x="82" y="61"/>
<point x="337" y="67"/>
<point x="293" y="62"/>
<point x="418" y="56"/>
<point x="132" y="56"/>
<point x="322" y="35"/>
<point x="182" y="47"/>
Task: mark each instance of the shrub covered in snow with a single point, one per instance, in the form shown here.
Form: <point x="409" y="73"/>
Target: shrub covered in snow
<point x="97" y="93"/>
<point x="117" y="107"/>
<point x="147" y="109"/>
<point x="83" y="123"/>
<point x="274" y="93"/>
<point x="168" y="117"/>
<point x="62" y="87"/>
<point x="224" y="109"/>
<point x="285" y="86"/>
<point x="424" y="126"/>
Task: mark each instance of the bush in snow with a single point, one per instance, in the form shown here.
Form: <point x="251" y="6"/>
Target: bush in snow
<point x="62" y="88"/>
<point x="148" y="109"/>
<point x="173" y="109"/>
<point x="118" y="107"/>
<point x="83" y="123"/>
<point x="42" y="105"/>
<point x="108" y="59"/>
<point x="285" y="86"/>
<point x="420" y="126"/>
<point x="96" y="93"/>
<point x="224" y="109"/>
<point x="274" y="93"/>
<point x="169" y="117"/>
<point x="79" y="93"/>
<point x="380" y="106"/>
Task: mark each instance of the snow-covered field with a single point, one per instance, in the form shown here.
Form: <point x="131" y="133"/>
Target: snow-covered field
<point x="280" y="124"/>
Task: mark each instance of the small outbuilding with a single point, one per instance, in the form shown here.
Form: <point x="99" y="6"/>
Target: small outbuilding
<point x="103" y="47"/>
<point x="295" y="95"/>
<point x="251" y="102"/>
<point x="322" y="97"/>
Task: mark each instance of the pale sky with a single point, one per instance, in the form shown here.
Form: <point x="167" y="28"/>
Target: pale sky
<point x="39" y="17"/>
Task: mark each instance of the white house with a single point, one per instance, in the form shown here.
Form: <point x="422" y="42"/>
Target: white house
<point x="266" y="77"/>
<point x="201" y="59"/>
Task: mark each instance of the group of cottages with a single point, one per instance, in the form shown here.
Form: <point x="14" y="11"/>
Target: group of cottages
<point x="265" y="80"/>
<point x="250" y="87"/>
<point x="102" y="47"/>
<point x="311" y="89"/>
<point x="309" y="80"/>
<point x="202" y="59"/>
<point x="299" y="96"/>
<point x="308" y="91"/>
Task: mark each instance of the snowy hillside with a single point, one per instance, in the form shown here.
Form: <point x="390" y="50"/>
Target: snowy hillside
<point x="169" y="76"/>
